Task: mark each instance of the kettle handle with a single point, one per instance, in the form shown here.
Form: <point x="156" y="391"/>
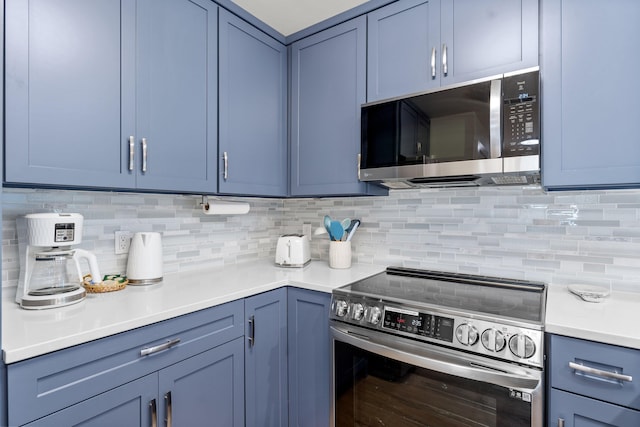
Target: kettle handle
<point x="96" y="277"/>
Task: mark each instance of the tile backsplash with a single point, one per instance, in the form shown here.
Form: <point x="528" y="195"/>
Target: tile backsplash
<point x="521" y="232"/>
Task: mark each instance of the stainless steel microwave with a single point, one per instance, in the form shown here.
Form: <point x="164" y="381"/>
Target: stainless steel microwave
<point x="482" y="132"/>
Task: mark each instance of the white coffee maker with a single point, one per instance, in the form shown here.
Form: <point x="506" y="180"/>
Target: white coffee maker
<point x="50" y="274"/>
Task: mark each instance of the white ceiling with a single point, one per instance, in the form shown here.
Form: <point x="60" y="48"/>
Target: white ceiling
<point x="290" y="16"/>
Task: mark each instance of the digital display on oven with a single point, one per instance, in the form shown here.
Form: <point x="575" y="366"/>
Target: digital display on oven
<point x="421" y="324"/>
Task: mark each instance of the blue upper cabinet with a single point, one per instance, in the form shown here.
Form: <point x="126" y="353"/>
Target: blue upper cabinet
<point x="176" y="90"/>
<point x="403" y="43"/>
<point x="63" y="91"/>
<point x="328" y="75"/>
<point x="589" y="82"/>
<point x="487" y="37"/>
<point x="417" y="45"/>
<point x="112" y="94"/>
<point x="253" y="110"/>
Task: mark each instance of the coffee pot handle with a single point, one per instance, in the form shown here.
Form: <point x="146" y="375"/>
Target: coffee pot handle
<point x="96" y="277"/>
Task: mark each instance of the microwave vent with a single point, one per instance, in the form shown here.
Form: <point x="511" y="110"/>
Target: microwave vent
<point x="514" y="179"/>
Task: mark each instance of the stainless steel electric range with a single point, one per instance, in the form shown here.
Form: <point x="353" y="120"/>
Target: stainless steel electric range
<point x="424" y="348"/>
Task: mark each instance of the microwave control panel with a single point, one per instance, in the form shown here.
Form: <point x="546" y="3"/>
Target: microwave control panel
<point x="521" y="115"/>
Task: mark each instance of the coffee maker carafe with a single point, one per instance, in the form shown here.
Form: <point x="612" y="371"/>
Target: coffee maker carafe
<point x="50" y="273"/>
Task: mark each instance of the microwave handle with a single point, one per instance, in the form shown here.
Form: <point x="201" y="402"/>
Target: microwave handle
<point x="495" y="119"/>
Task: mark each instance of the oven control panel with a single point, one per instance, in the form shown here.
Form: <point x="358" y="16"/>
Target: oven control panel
<point x="417" y="323"/>
<point x="501" y="340"/>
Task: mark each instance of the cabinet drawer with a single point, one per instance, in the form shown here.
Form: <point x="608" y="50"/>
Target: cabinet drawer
<point x="48" y="383"/>
<point x="578" y="411"/>
<point x="587" y="356"/>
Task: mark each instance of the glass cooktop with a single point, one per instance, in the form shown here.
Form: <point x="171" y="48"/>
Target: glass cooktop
<point x="523" y="300"/>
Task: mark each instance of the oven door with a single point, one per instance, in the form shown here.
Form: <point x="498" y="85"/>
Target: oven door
<point x="380" y="379"/>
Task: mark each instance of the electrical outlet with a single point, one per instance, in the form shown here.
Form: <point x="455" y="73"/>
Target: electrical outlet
<point x="122" y="242"/>
<point x="306" y="230"/>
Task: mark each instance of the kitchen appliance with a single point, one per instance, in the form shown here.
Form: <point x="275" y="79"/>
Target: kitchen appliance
<point x="50" y="273"/>
<point x="144" y="265"/>
<point x="292" y="250"/>
<point x="417" y="347"/>
<point x="482" y="132"/>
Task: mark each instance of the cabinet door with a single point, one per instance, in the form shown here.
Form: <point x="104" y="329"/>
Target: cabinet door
<point x="589" y="73"/>
<point x="253" y="109"/>
<point x="266" y="359"/>
<point x="309" y="357"/>
<point x="403" y="41"/>
<point x="176" y="95"/>
<point x="328" y="87"/>
<point x="131" y="404"/>
<point x="67" y="68"/>
<point x="579" y="411"/>
<point x="487" y="37"/>
<point x="207" y="389"/>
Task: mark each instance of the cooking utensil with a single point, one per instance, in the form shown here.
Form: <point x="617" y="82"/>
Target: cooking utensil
<point x="336" y="231"/>
<point x="352" y="229"/>
<point x="346" y="223"/>
<point x="327" y="226"/>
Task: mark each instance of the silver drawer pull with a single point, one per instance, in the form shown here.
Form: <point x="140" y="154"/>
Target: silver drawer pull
<point x="600" y="372"/>
<point x="161" y="347"/>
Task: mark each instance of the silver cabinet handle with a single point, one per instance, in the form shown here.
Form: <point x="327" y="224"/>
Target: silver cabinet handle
<point x="252" y="331"/>
<point x="600" y="372"/>
<point x="445" y="67"/>
<point x="359" y="163"/>
<point x="150" y="350"/>
<point x="560" y="422"/>
<point x="433" y="62"/>
<point x="225" y="161"/>
<point x="167" y="401"/>
<point x="132" y="151"/>
<point x="144" y="154"/>
<point x="154" y="413"/>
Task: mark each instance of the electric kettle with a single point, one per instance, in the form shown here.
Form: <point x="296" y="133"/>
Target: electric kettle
<point x="144" y="266"/>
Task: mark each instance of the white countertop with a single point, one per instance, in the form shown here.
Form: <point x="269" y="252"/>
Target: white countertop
<point x="29" y="333"/>
<point x="615" y="320"/>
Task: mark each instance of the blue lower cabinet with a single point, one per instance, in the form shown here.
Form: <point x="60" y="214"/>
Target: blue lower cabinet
<point x="592" y="384"/>
<point x="191" y="367"/>
<point x="309" y="358"/>
<point x="207" y="389"/>
<point x="572" y="410"/>
<point x="133" y="404"/>
<point x="266" y="359"/>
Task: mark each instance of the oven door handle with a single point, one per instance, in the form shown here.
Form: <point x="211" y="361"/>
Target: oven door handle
<point x="439" y="359"/>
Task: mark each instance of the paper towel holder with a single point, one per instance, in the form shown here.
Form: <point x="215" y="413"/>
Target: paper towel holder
<point x="221" y="207"/>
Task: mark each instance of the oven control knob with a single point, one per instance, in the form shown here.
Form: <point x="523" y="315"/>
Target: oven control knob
<point x="493" y="340"/>
<point x="374" y="315"/>
<point x="340" y="308"/>
<point x="522" y="346"/>
<point x="467" y="334"/>
<point x="357" y="311"/>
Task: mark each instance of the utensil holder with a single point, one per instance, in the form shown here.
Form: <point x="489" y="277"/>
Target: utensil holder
<point x="339" y="254"/>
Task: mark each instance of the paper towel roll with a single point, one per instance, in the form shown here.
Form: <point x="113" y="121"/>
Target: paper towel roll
<point x="218" y="207"/>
